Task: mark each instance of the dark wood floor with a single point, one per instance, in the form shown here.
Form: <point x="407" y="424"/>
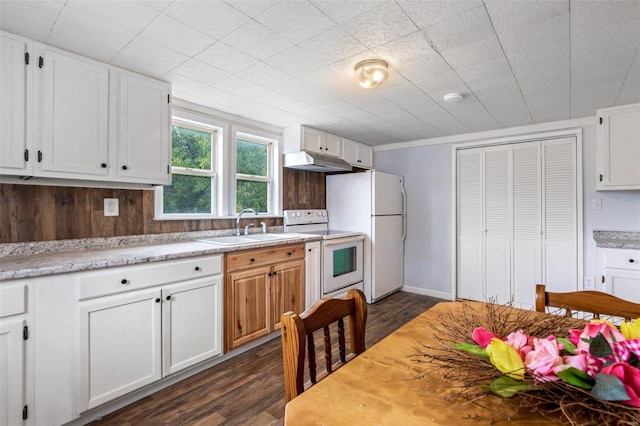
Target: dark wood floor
<point x="249" y="389"/>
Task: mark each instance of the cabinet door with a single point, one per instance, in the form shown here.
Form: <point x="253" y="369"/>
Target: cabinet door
<point x="246" y="316"/>
<point x="71" y="115"/>
<point x="365" y="156"/>
<point x="13" y="106"/>
<point x="624" y="284"/>
<point x="11" y="373"/>
<point x="312" y="140"/>
<point x="120" y="346"/>
<point x="497" y="223"/>
<point x="332" y="145"/>
<point x="312" y="273"/>
<point x="287" y="290"/>
<point x="619" y="148"/>
<point x="350" y="151"/>
<point x="143" y="129"/>
<point x="191" y="323"/>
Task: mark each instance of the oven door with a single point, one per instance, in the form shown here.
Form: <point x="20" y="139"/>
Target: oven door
<point x="343" y="263"/>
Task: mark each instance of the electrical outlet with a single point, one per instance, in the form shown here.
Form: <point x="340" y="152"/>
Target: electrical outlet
<point x="589" y="283"/>
<point x="111" y="207"/>
<point x="596" y="203"/>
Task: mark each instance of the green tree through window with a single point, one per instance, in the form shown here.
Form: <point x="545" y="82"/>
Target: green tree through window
<point x="252" y="175"/>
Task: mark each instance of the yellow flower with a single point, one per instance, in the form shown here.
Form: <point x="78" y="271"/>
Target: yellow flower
<point x="631" y="330"/>
<point x="506" y="359"/>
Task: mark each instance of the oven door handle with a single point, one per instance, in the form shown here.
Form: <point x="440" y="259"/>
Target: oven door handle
<point x="336" y="241"/>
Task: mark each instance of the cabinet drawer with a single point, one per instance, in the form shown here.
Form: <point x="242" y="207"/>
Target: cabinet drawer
<point x="621" y="259"/>
<point x="13" y="300"/>
<point x="267" y="256"/>
<point x="128" y="278"/>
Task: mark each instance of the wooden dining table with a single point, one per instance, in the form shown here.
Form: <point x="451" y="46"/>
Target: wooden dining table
<point x="386" y="386"/>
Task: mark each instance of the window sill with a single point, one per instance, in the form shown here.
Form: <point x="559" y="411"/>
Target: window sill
<point x="210" y="217"/>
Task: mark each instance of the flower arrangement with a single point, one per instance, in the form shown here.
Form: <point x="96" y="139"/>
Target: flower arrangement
<point x="559" y="367"/>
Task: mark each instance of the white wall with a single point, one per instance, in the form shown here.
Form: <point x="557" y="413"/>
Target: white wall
<point x="427" y="172"/>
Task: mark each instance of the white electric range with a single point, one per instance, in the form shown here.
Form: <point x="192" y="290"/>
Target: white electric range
<point x="342" y="257"/>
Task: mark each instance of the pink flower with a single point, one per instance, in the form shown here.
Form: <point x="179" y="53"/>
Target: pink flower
<point x="544" y="360"/>
<point x="483" y="337"/>
<point x="630" y="377"/>
<point x="584" y="362"/>
<point x="520" y="342"/>
<point x="609" y="331"/>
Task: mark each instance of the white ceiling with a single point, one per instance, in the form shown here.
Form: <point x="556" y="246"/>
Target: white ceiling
<point x="291" y="62"/>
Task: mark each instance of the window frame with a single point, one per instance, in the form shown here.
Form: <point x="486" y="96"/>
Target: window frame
<point x="268" y="179"/>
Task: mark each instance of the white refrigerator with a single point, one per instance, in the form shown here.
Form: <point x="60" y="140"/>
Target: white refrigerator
<point x="373" y="203"/>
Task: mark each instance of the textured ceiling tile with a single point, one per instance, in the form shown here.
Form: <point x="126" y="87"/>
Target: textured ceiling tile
<point x="226" y="58"/>
<point x="550" y="32"/>
<point x="252" y="8"/>
<point x="551" y="81"/>
<point x="514" y="15"/>
<point x="295" y="20"/>
<point x="256" y="40"/>
<point x="630" y="91"/>
<point x="452" y="128"/>
<point x="596" y="97"/>
<point x="340" y="107"/>
<point x="427" y="13"/>
<point x="95" y="45"/>
<point x="199" y="71"/>
<point x="326" y="77"/>
<point x="151" y="54"/>
<point x="539" y="59"/>
<point x="176" y="36"/>
<point x="304" y="92"/>
<point x="401" y="92"/>
<point x="552" y="107"/>
<point x="334" y="44"/>
<point x="387" y="109"/>
<point x="134" y="64"/>
<point x="589" y="78"/>
<point x="427" y="68"/>
<point x="505" y="88"/>
<point x="296" y="61"/>
<point x="620" y="58"/>
<point x="411" y="48"/>
<point x="380" y="25"/>
<point x="264" y="75"/>
<point x="214" y="18"/>
<point x="509" y="113"/>
<point x="361" y="116"/>
<point x="341" y="11"/>
<point x="439" y="86"/>
<point x="433" y="116"/>
<point x="467" y="28"/>
<point x="589" y="42"/>
<point x="158" y="5"/>
<point x="603" y="15"/>
<point x="498" y="68"/>
<point x="29" y="18"/>
<point x="185" y="84"/>
<point x="469" y="55"/>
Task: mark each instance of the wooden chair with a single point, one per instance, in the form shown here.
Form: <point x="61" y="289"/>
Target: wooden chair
<point x="595" y="302"/>
<point x="295" y="327"/>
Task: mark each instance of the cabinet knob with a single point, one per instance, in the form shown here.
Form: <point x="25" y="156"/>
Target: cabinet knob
<point x="169" y="297"/>
<point x="123" y="281"/>
<point x="197" y="268"/>
<point x="158" y="300"/>
<point x="631" y="260"/>
<point x="309" y="250"/>
<point x="289" y="253"/>
<point x="124" y="167"/>
<point x="252" y="260"/>
<point x="275" y="273"/>
<point x="103" y="165"/>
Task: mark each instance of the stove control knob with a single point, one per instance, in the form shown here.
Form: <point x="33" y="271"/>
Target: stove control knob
<point x="299" y="214"/>
<point x="292" y="214"/>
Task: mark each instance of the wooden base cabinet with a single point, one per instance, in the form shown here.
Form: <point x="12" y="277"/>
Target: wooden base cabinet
<point x="261" y="285"/>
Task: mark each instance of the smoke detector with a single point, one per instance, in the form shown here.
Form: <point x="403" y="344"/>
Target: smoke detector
<point x="453" y="97"/>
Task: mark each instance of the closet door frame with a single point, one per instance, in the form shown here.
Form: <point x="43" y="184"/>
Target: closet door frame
<point x="518" y="138"/>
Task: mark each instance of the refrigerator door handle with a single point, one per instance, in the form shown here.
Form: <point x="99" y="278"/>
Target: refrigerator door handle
<point x="404" y="214"/>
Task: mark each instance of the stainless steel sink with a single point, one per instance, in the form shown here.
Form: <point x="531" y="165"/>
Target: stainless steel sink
<point x="232" y="240"/>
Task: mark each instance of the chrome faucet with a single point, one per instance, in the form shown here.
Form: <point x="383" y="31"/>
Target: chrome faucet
<point x="246" y="229"/>
<point x="240" y="216"/>
<point x="264" y="227"/>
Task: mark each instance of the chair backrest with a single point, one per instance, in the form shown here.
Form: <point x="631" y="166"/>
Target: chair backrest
<point x="595" y="302"/>
<point x="296" y="327"/>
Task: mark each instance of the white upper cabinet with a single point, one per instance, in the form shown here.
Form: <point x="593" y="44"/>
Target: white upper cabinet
<point x="14" y="73"/>
<point x="72" y="115"/>
<point x="619" y="148"/>
<point x="303" y="138"/>
<point x="357" y="154"/>
<point x="142" y="121"/>
<point x="91" y="123"/>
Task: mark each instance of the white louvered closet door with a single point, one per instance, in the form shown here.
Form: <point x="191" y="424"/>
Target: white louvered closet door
<point x="469" y="224"/>
<point x="497" y="223"/>
<point x="560" y="272"/>
<point x="527" y="222"/>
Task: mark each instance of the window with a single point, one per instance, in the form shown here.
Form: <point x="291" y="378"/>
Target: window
<point x="253" y="173"/>
<point x="219" y="167"/>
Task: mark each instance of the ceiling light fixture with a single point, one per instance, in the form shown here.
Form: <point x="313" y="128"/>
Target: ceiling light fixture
<point x="453" y="97"/>
<point x="371" y="72"/>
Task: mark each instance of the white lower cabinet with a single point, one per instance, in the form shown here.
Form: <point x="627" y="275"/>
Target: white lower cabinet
<point x="15" y="319"/>
<point x="312" y="272"/>
<point x="620" y="273"/>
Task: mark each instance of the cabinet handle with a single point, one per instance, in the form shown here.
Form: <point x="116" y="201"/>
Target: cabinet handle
<point x="103" y="165"/>
<point x="269" y="274"/>
<point x="40" y="62"/>
<point x="309" y="250"/>
<point x="197" y="268"/>
<point x="631" y="260"/>
<point x="124" y="281"/>
<point x="289" y="253"/>
<point x="169" y="297"/>
<point x="158" y="300"/>
<point x="39" y="156"/>
<point x="359" y="161"/>
<point x="252" y="260"/>
<point x="124" y="167"/>
<point x="275" y="273"/>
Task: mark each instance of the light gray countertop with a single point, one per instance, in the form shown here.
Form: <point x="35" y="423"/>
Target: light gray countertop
<point x="617" y="239"/>
<point x="33" y="260"/>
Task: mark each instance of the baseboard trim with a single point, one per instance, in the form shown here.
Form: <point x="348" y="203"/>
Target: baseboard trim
<point x="426" y="292"/>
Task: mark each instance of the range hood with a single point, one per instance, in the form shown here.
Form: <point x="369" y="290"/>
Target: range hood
<point x="313" y="162"/>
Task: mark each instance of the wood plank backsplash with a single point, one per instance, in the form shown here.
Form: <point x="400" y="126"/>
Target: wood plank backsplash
<point x="42" y="213"/>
